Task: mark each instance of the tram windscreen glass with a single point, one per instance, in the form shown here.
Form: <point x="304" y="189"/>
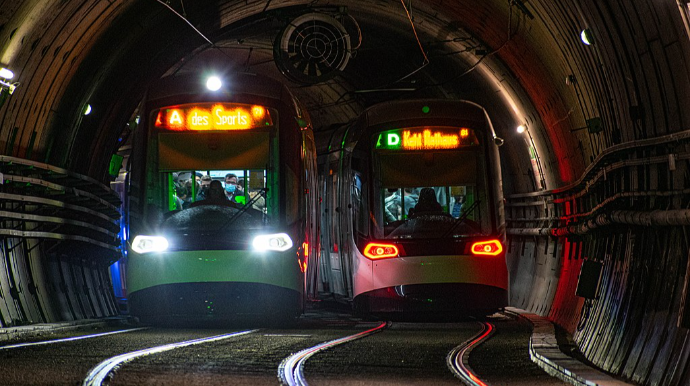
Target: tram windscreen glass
<point x="431" y="193"/>
<point x="206" y="200"/>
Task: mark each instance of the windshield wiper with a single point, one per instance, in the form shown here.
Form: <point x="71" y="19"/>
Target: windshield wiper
<point x="461" y="219"/>
<point x="244" y="209"/>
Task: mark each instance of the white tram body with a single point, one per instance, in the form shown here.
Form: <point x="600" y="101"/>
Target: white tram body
<point x="412" y="211"/>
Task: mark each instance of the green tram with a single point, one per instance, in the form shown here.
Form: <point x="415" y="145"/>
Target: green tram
<point x="222" y="201"/>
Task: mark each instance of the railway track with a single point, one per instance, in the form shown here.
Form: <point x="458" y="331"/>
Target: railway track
<point x="458" y="358"/>
<point x="290" y="370"/>
<point x="320" y="351"/>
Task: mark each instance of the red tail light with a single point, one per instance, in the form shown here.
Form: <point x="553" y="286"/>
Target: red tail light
<point x="376" y="251"/>
<point x="487" y="248"/>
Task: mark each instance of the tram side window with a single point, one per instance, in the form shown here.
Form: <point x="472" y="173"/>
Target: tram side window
<point x="360" y="212"/>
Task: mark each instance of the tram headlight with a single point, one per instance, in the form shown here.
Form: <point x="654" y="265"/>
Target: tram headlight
<point x="274" y="242"/>
<point x="148" y="244"/>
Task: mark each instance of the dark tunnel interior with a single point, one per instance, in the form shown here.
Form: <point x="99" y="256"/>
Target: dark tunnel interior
<point x="599" y="172"/>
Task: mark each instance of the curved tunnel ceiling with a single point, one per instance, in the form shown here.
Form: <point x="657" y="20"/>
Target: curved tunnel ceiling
<point x="513" y="57"/>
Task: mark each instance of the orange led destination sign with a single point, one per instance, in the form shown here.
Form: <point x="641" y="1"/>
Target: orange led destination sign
<point x="426" y="138"/>
<point x="212" y="116"/>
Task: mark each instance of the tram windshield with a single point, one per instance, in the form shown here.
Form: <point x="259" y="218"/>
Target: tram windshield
<point x="211" y="179"/>
<point x="205" y="200"/>
<point x="430" y="191"/>
<point x="430" y="211"/>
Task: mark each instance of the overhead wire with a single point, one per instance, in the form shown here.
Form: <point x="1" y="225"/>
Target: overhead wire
<point x="481" y="59"/>
<point x="421" y="48"/>
<point x="185" y="20"/>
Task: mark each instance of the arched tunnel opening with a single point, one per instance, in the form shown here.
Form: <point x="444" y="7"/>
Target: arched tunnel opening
<point x="597" y="175"/>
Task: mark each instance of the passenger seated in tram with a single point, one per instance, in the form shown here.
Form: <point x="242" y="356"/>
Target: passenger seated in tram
<point x="215" y="196"/>
<point x="393" y="207"/>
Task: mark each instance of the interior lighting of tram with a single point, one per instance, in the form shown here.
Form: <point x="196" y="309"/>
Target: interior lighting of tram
<point x="87" y="109"/>
<point x="521" y="129"/>
<point x="213" y="83"/>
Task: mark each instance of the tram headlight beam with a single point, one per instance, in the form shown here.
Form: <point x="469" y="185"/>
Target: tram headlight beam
<point x="147" y="244"/>
<point x="280" y="242"/>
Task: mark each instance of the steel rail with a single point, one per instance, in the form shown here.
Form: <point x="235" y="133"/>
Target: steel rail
<point x="291" y="370"/>
<point x="72" y="338"/>
<point x="104" y="369"/>
<point x="457" y="358"/>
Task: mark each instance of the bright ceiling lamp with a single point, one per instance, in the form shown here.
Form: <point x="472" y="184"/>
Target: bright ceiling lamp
<point x="6" y="73"/>
<point x="587" y="37"/>
<point x="214" y="83"/>
<point x="521" y="129"/>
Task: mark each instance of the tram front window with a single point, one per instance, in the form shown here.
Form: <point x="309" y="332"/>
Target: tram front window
<point x="206" y="200"/>
<point x="432" y="183"/>
<point x="428" y="212"/>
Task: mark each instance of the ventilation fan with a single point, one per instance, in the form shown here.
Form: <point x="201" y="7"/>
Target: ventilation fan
<point x="313" y="48"/>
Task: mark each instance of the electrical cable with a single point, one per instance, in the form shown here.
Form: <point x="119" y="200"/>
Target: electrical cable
<point x="409" y="17"/>
<point x="359" y="32"/>
<point x="185" y="20"/>
<point x="471" y="68"/>
<point x="421" y="48"/>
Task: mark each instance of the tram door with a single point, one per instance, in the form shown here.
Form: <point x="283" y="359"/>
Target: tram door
<point x="334" y="243"/>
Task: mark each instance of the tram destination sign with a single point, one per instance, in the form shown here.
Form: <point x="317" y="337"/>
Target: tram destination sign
<point x="212" y="116"/>
<point x="426" y="138"/>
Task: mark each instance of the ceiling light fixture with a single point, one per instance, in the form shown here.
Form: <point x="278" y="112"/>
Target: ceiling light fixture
<point x="587" y="37"/>
<point x="214" y="83"/>
<point x="6" y="73"/>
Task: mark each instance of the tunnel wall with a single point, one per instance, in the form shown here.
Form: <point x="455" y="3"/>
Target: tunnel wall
<point x="58" y="235"/>
<point x="629" y="213"/>
<point x="628" y="209"/>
